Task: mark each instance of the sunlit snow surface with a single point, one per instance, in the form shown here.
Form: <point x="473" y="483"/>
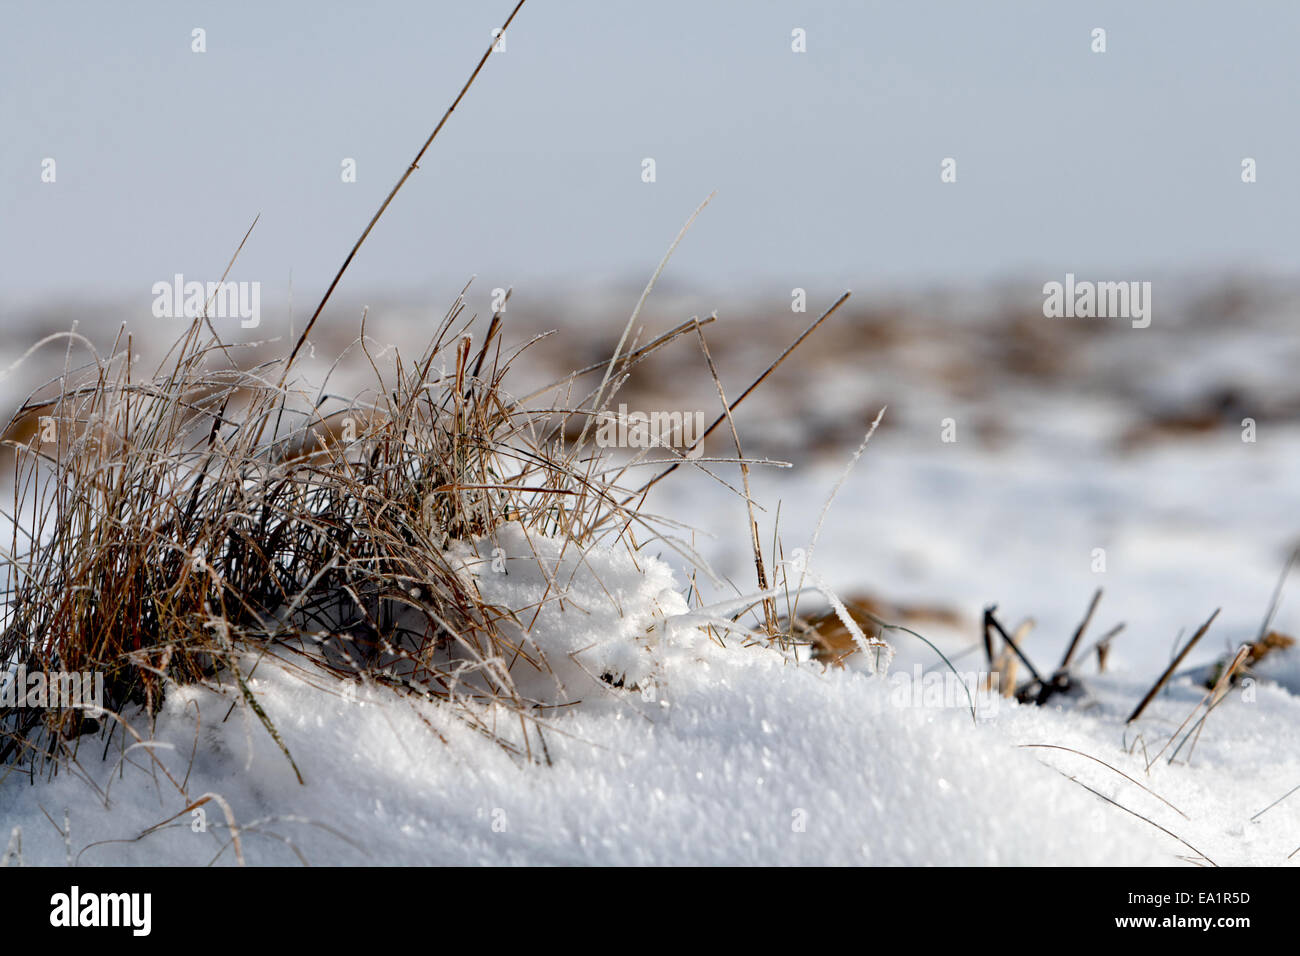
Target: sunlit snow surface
<point x="736" y="756"/>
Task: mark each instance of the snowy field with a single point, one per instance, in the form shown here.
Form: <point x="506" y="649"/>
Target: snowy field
<point x="742" y="754"/>
<point x="736" y="756"/>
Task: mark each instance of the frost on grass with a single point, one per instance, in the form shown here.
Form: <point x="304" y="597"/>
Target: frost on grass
<point x="576" y="627"/>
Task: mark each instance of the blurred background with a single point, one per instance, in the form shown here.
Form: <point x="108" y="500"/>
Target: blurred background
<point x="1072" y="435"/>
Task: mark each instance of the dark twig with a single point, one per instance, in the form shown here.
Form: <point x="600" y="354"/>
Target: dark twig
<point x="1083" y="626"/>
<point x="1060" y="681"/>
<point x="990" y="619"/>
<point x="1173" y="666"/>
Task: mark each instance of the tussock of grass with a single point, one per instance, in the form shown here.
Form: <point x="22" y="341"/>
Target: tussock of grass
<point x="174" y="525"/>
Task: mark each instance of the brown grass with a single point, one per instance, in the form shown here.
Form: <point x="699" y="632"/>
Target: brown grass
<point x="157" y="539"/>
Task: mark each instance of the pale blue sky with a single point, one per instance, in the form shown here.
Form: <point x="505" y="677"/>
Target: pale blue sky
<point x="826" y="163"/>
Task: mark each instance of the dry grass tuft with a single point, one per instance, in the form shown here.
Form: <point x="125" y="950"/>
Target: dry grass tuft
<point x="166" y="528"/>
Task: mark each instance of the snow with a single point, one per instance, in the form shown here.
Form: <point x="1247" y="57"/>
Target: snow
<point x="728" y="754"/>
<point x="587" y="613"/>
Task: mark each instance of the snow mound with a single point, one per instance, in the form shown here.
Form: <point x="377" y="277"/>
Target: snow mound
<point x="712" y="751"/>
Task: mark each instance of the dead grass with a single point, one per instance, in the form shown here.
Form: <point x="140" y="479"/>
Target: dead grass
<point x="170" y="527"/>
